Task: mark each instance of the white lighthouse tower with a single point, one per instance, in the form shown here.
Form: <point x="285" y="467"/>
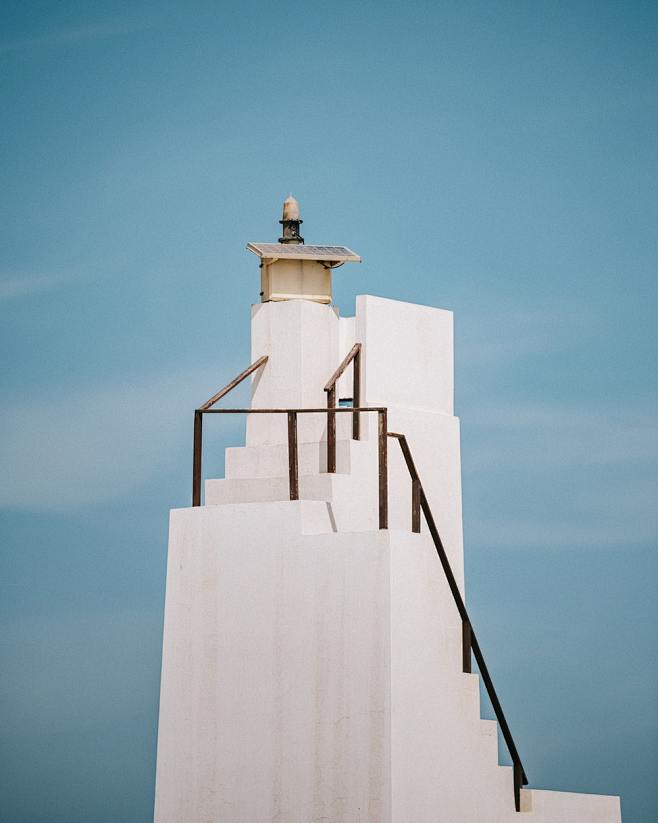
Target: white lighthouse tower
<point x="317" y="645"/>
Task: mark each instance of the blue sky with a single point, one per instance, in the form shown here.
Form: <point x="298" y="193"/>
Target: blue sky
<point x="497" y="159"/>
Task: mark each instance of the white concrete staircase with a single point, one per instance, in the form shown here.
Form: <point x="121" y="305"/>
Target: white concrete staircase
<point x="256" y="478"/>
<point x="260" y="474"/>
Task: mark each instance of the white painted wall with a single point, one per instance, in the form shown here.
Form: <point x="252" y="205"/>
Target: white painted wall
<point x="409" y="356"/>
<point x="274" y="700"/>
<point x="310" y="674"/>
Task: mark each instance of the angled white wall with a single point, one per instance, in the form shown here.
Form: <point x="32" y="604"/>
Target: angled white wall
<point x="408" y="367"/>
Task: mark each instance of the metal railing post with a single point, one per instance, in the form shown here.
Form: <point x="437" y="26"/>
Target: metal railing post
<point x="415" y="505"/>
<point x="196" y="459"/>
<point x="353" y="357"/>
<point x="198" y="425"/>
<point x="356" y="394"/>
<point x="416" y="486"/>
<point x="331" y="431"/>
<point x="293" y="471"/>
<point x="518" y="782"/>
<point x="466" y="646"/>
<point x="383" y="468"/>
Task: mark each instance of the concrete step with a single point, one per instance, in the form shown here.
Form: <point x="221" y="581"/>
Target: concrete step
<point x="569" y="807"/>
<point x="469" y="695"/>
<point x="266" y="489"/>
<point x="291" y="518"/>
<point x="272" y="460"/>
<point x="489" y="740"/>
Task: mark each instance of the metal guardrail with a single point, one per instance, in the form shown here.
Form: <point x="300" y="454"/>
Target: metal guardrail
<point x="293" y="471"/>
<point x="198" y="424"/>
<point x="353" y="355"/>
<point x="469" y="640"/>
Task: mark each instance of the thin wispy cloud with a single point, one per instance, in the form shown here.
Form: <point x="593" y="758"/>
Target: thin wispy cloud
<point x="74" y="35"/>
<point x="506" y="334"/>
<point x="595" y="434"/>
<point x="558" y="533"/>
<point x="564" y="476"/>
<point x="16" y="286"/>
<point x="100" y="442"/>
<point x="105" y="636"/>
<point x="549" y="473"/>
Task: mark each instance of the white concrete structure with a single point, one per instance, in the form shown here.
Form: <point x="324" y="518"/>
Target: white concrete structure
<point x="312" y="663"/>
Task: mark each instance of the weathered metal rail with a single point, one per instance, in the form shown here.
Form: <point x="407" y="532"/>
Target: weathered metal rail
<point x="469" y="640"/>
<point x="293" y="472"/>
<point x="198" y="424"/>
<point x="235" y="382"/>
<point x="354" y="355"/>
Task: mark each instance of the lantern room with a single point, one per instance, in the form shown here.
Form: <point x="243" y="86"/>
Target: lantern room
<point x="292" y="270"/>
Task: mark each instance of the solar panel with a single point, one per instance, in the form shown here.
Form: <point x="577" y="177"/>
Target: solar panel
<point x="292" y="251"/>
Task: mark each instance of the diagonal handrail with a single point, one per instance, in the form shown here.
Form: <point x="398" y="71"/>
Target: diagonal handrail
<point x="354" y="354"/>
<point x="469" y="640"/>
<point x="198" y="424"/>
<point x="235" y="382"/>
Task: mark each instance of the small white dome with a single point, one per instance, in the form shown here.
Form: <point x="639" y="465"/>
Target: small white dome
<point x="290" y="209"/>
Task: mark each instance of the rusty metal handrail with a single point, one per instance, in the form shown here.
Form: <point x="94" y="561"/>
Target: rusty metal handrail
<point x="469" y="640"/>
<point x="235" y="382"/>
<point x="354" y="354"/>
<point x="293" y="470"/>
<point x="198" y="424"/>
